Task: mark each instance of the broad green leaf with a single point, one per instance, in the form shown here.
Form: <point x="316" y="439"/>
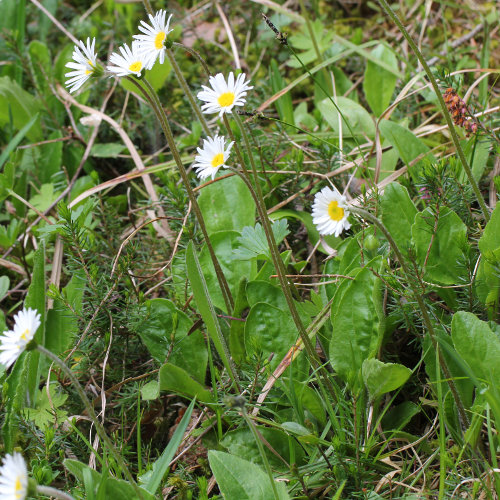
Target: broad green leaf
<point x="398" y="417"/>
<point x="358" y="324"/>
<point x="489" y="243"/>
<point x="175" y="379"/>
<point x="407" y="144"/>
<point x="487" y="283"/>
<point x="240" y="479"/>
<point x="359" y="120"/>
<point x="117" y="489"/>
<point x="398" y="214"/>
<point x="164" y="329"/>
<point x="23" y="108"/>
<point x="150" y="391"/>
<point x="241" y="443"/>
<point x="478" y="346"/>
<point x="440" y="245"/>
<point x="36" y="300"/>
<point x="479" y="161"/>
<point x="269" y="330"/>
<point x="262" y="291"/>
<point x="225" y="244"/>
<point x="378" y="83"/>
<point x="161" y="465"/>
<point x="380" y="377"/>
<point x="227" y="205"/>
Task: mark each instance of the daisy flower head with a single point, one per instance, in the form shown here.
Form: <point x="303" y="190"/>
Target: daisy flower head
<point x="330" y="212"/>
<point x="13" y="342"/>
<point x="212" y="156"/>
<point x="223" y="96"/>
<point x="84" y="65"/>
<point x="130" y="60"/>
<point x="13" y="477"/>
<point x="152" y="42"/>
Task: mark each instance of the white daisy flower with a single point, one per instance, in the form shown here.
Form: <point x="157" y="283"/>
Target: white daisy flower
<point x="13" y="477"/>
<point x="152" y="43"/>
<point x="84" y="65"/>
<point x="213" y="156"/>
<point x="131" y="61"/>
<point x="223" y="96"/>
<point x="13" y="342"/>
<point x="330" y="212"/>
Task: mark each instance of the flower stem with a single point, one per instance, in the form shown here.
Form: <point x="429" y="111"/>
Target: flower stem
<point x="48" y="491"/>
<point x="187" y="92"/>
<point x="149" y="93"/>
<point x="421" y="304"/>
<point x="147" y="6"/>
<point x="449" y="121"/>
<point x="90" y="410"/>
<point x="276" y="257"/>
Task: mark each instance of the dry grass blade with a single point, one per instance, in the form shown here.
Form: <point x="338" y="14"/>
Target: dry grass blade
<point x="163" y="227"/>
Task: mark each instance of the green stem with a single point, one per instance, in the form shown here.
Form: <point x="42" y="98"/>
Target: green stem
<point x="276" y="257"/>
<point x="449" y="121"/>
<point x="90" y="410"/>
<point x="421" y="304"/>
<point x="187" y="92"/>
<point x="153" y="99"/>
<point x="256" y="436"/>
<point x="147" y="6"/>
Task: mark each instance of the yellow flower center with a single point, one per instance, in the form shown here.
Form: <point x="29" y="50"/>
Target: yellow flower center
<point x="19" y="488"/>
<point x="89" y="71"/>
<point x="159" y="39"/>
<point x="25" y="334"/>
<point x="218" y="160"/>
<point x="226" y="99"/>
<point x="334" y="211"/>
<point x="135" y="67"/>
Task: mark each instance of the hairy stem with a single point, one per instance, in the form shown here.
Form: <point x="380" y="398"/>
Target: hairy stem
<point x="187" y="92"/>
<point x="48" y="491"/>
<point x="276" y="257"/>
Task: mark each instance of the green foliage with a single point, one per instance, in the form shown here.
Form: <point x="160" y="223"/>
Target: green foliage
<point x="238" y="478"/>
<point x="253" y="242"/>
<point x="138" y="315"/>
<point x="358" y="324"/>
<point x="379" y="84"/>
<point x="47" y="410"/>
